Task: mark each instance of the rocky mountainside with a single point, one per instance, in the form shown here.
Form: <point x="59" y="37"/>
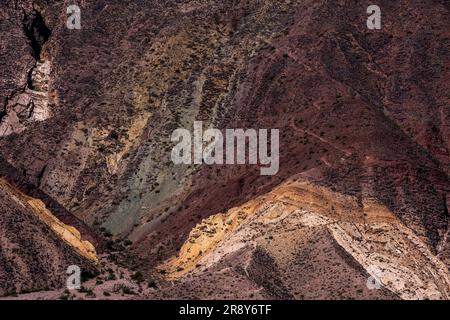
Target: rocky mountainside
<point x="36" y="247"/>
<point x="86" y="118"/>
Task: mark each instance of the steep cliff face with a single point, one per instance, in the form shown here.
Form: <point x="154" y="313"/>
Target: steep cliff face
<point x="25" y="94"/>
<point x="87" y="115"/>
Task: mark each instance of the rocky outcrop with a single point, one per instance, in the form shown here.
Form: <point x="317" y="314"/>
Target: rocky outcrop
<point x="36" y="247"/>
<point x="28" y="102"/>
<point x="30" y="105"/>
<point x="276" y="228"/>
<point x="87" y="115"/>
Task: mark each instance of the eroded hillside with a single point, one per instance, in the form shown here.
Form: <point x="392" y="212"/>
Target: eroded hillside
<point x="304" y="241"/>
<point x="86" y="118"/>
<point x="36" y="247"/>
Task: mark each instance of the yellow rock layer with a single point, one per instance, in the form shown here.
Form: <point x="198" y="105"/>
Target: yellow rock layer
<point x="68" y="234"/>
<point x="370" y="232"/>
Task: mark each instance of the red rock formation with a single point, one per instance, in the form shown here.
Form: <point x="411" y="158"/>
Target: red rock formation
<point x="362" y="113"/>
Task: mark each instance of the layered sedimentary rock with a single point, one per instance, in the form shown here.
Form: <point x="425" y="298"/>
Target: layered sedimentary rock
<point x="36" y="247"/>
<point x="87" y="117"/>
<point x="305" y="241"/>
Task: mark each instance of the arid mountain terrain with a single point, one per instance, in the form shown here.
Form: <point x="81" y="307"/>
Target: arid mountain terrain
<point x="86" y="177"/>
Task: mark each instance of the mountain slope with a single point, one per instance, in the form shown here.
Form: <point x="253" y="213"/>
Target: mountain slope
<point x="36" y="248"/>
<point x="87" y="115"/>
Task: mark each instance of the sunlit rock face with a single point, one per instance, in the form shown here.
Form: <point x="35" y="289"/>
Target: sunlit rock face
<point x="298" y="221"/>
<point x="30" y="105"/>
<point x="36" y="247"/>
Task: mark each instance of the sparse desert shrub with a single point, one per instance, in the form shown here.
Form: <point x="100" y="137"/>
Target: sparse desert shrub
<point x="138" y="277"/>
